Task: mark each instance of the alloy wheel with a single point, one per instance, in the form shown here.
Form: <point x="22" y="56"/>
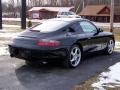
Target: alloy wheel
<point x="110" y="47"/>
<point x="75" y="56"/>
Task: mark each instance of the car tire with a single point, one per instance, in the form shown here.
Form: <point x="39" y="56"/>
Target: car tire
<point x="74" y="57"/>
<point x="110" y="47"/>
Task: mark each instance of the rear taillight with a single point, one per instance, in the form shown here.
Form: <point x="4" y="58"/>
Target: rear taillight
<point x="50" y="43"/>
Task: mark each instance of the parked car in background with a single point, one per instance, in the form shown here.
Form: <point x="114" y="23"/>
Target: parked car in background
<point x="67" y="14"/>
<point x="64" y="39"/>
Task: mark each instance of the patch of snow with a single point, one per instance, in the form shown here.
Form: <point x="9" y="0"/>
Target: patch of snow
<point x="109" y="79"/>
<point x="4" y="51"/>
<point x="13" y="26"/>
<point x="4" y="43"/>
<point x="14" y="65"/>
<point x="19" y="19"/>
<point x="7" y="35"/>
<point x="2" y="31"/>
<point x="106" y="25"/>
<point x="5" y="38"/>
<point x="117" y="45"/>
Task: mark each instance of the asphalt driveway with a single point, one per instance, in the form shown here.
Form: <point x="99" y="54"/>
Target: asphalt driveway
<point x="15" y="75"/>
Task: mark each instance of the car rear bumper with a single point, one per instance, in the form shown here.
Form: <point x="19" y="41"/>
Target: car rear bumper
<point x="27" y="54"/>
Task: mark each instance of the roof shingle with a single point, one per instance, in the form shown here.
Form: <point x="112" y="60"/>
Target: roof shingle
<point x="92" y="10"/>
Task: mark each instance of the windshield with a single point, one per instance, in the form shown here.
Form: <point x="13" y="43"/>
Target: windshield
<point x="72" y="13"/>
<point x="49" y="26"/>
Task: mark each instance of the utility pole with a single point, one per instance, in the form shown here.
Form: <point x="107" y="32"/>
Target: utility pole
<point x="23" y="15"/>
<point x="83" y="4"/>
<point x="112" y="16"/>
<point x="0" y="14"/>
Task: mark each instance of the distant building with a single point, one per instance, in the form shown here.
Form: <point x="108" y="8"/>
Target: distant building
<point x="100" y="13"/>
<point x="46" y="12"/>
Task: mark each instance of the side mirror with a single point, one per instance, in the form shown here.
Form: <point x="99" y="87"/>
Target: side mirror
<point x="100" y="30"/>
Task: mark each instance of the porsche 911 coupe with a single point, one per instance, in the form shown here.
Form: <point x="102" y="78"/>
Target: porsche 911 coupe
<point x="64" y="39"/>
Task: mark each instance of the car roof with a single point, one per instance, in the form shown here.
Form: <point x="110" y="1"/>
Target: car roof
<point x="69" y="20"/>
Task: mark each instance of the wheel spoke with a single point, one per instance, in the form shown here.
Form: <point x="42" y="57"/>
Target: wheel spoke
<point x="109" y="50"/>
<point x="77" y="60"/>
<point x="76" y="50"/>
<point x="73" y="53"/>
<point x="72" y="60"/>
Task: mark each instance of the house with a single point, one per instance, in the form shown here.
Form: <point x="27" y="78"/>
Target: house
<point x="46" y="12"/>
<point x="100" y="13"/>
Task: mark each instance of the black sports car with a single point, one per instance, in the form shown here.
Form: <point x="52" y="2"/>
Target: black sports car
<point x="63" y="39"/>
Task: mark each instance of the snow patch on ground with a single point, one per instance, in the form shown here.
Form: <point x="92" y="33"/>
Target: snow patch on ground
<point x="19" y="19"/>
<point x="117" y="45"/>
<point x="5" y="38"/>
<point x="13" y="26"/>
<point x="4" y="51"/>
<point x="106" y="25"/>
<point x="7" y="35"/>
<point x="109" y="79"/>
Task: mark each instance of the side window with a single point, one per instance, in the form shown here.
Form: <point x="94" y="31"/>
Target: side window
<point x="76" y="27"/>
<point x="87" y="27"/>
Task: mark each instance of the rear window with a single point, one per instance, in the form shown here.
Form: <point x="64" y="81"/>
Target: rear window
<point x="49" y="26"/>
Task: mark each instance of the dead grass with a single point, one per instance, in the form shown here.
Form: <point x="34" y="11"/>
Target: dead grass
<point x="88" y="83"/>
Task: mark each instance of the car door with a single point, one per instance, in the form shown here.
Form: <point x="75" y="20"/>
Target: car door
<point x="94" y="40"/>
<point x="80" y="36"/>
